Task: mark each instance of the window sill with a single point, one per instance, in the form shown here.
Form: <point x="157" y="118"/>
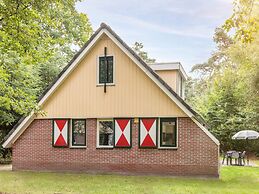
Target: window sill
<point x="78" y="147"/>
<point x="108" y="84"/>
<point x="167" y="148"/>
<point x="104" y="147"/>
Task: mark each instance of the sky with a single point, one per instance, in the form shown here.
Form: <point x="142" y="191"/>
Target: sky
<point x="171" y="30"/>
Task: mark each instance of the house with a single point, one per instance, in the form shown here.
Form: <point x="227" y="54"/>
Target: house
<point x="109" y="111"/>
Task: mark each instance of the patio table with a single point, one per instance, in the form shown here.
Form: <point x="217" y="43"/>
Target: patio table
<point x="232" y="154"/>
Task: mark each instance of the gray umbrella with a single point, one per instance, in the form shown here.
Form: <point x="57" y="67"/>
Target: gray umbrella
<point x="246" y="134"/>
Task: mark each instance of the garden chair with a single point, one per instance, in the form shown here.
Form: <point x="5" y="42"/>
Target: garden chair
<point x="224" y="156"/>
<point x="235" y="155"/>
<point x="242" y="158"/>
<point x="227" y="156"/>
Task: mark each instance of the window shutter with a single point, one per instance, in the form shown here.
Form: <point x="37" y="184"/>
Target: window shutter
<point x="60" y="133"/>
<point x="148" y="133"/>
<point x="122" y="132"/>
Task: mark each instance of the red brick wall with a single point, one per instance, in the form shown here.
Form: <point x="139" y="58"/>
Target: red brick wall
<point x="197" y="154"/>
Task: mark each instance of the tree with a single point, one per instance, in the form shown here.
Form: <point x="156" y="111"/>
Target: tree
<point x="219" y="59"/>
<point x="36" y="40"/>
<point x="18" y="87"/>
<point x="38" y="28"/>
<point x="228" y="81"/>
<point x="223" y="109"/>
<point x="244" y="20"/>
<point x="138" y="48"/>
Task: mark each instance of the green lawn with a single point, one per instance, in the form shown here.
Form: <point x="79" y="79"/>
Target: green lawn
<point x="232" y="180"/>
<point x="256" y="162"/>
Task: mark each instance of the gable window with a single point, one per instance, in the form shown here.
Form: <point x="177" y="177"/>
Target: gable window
<point x="106" y="70"/>
<point x="78" y="132"/>
<point x="105" y="133"/>
<point x="168" y="132"/>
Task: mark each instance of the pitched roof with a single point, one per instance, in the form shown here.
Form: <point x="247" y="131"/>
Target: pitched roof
<point x="10" y="138"/>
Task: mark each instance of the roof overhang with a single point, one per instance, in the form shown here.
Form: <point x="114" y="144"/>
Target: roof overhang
<point x="104" y="29"/>
<point x="169" y="66"/>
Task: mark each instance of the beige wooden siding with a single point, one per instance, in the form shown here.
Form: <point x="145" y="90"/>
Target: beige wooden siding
<point x="170" y="77"/>
<point x="134" y="93"/>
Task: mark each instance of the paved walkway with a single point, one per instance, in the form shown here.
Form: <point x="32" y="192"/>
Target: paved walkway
<point x="7" y="167"/>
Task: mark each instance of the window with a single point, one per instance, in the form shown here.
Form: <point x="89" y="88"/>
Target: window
<point x="78" y="132"/>
<point x="105" y="133"/>
<point x="106" y="70"/>
<point x="168" y="130"/>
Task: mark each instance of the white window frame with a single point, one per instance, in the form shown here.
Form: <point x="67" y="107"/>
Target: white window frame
<point x="70" y="133"/>
<point x="97" y="72"/>
<point x="177" y="135"/>
<point x="97" y="134"/>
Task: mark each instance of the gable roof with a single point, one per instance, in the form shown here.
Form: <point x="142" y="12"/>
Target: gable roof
<point x="24" y="122"/>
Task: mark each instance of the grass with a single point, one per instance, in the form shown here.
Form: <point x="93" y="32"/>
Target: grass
<point x="232" y="180"/>
<point x="256" y="162"/>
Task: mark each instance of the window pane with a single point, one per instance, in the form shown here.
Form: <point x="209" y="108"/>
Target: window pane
<point x="168" y="132"/>
<point x="106" y="133"/>
<point x="79" y="132"/>
<point x="103" y="70"/>
<point x="110" y="70"/>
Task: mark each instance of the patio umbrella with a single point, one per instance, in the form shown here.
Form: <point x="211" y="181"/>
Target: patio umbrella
<point x="246" y="134"/>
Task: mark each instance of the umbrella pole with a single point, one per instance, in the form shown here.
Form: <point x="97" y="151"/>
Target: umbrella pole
<point x="247" y="160"/>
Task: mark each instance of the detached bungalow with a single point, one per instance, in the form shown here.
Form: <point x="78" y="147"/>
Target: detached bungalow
<point x="108" y="111"/>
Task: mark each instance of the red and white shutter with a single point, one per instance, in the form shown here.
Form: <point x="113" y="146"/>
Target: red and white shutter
<point x="148" y="132"/>
<point x="122" y="135"/>
<point x="60" y="133"/>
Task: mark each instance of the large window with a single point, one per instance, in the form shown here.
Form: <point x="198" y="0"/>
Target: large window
<point x="78" y="132"/>
<point x="168" y="132"/>
<point x="106" y="70"/>
<point x="105" y="133"/>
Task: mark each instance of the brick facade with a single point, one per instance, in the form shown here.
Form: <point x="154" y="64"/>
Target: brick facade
<point x="197" y="154"/>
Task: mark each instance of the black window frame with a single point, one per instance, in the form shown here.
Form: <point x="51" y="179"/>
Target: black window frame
<point x="98" y="133"/>
<point x="99" y="70"/>
<point x="161" y="134"/>
<point x="72" y="133"/>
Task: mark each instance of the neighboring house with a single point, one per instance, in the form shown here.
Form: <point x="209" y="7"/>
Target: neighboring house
<point x="108" y="111"/>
